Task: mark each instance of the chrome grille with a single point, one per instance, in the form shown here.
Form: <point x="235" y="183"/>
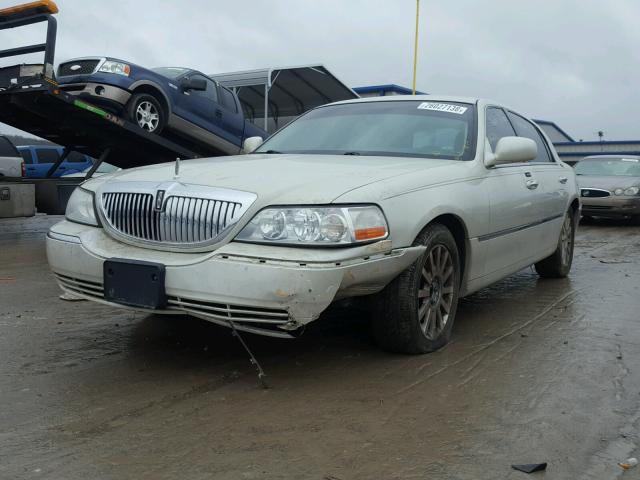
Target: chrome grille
<point x="594" y="193"/>
<point x="182" y="220"/>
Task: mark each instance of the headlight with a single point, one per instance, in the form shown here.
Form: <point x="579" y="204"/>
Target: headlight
<point x="80" y="208"/>
<point x="632" y="191"/>
<point x="618" y="191"/>
<point x="316" y="226"/>
<point x="109" y="66"/>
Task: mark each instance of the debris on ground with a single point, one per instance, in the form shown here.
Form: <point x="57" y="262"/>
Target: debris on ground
<point x="69" y="297"/>
<point x="530" y="467"/>
<point x="628" y="463"/>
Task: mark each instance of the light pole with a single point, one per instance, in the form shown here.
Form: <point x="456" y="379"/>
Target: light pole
<point x="415" y="47"/>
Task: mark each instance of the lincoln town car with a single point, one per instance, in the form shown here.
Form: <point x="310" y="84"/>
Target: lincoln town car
<point x="407" y="203"/>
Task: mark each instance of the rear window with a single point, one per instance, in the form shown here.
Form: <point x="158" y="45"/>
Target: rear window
<point x="75" y="157"/>
<point x="228" y="100"/>
<point x="7" y="149"/>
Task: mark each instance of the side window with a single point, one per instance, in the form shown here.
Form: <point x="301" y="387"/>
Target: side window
<point x="75" y="157"/>
<point x="524" y="128"/>
<point x="211" y="92"/>
<point x="26" y="155"/>
<point x="498" y="126"/>
<point x="47" y="155"/>
<point x="7" y="149"/>
<point x="228" y="99"/>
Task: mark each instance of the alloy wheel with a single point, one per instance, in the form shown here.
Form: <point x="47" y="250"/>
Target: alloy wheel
<point x="435" y="293"/>
<point x="566" y="240"/>
<point x="147" y="116"/>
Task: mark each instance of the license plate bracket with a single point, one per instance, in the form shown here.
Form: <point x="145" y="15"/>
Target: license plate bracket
<point x="134" y="283"/>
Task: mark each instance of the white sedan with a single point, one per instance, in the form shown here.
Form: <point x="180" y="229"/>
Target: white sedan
<point x="411" y="201"/>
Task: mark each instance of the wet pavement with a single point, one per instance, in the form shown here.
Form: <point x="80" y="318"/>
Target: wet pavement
<point x="537" y="371"/>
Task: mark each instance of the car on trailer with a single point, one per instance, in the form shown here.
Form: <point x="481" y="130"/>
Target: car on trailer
<point x="413" y="202"/>
<point x="182" y="100"/>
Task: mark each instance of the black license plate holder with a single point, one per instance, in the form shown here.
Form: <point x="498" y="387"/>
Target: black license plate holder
<point x="135" y="283"/>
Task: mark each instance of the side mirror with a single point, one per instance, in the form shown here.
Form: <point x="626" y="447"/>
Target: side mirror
<point x="512" y="150"/>
<point x="193" y="84"/>
<point x="251" y="143"/>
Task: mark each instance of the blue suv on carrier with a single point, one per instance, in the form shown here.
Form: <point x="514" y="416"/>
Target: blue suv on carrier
<point x="181" y="100"/>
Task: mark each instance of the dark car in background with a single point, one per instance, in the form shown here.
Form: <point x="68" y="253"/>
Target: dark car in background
<point x="609" y="186"/>
<point x="39" y="159"/>
<point x="180" y="100"/>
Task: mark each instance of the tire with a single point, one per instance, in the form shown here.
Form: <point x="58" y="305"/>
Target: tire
<point x="558" y="264"/>
<point x="410" y="314"/>
<point x="146" y="112"/>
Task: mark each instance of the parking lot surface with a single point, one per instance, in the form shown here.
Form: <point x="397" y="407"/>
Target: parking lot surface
<point x="537" y="371"/>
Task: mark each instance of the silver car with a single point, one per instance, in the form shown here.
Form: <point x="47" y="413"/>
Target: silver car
<point x="412" y="202"/>
<point x="610" y="186"/>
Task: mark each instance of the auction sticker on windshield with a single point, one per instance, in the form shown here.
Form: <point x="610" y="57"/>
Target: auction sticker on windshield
<point x="442" y="107"/>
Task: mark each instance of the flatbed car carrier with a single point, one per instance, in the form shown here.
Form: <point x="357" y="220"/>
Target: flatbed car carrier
<point x="31" y="101"/>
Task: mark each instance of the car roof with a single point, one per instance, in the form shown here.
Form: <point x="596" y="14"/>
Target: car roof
<point x="407" y="98"/>
<point x="611" y="155"/>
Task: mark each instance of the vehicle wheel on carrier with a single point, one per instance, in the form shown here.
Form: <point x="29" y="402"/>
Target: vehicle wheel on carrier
<point x="558" y="264"/>
<point x="146" y="112"/>
<point x="415" y="312"/>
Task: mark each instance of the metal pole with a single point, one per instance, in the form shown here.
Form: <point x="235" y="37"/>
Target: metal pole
<point x="415" y="47"/>
<point x="266" y="106"/>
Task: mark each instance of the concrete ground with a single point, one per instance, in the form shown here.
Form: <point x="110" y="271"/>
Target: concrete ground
<point x="537" y="371"/>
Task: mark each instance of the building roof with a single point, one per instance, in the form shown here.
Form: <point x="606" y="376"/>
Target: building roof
<point x="288" y="91"/>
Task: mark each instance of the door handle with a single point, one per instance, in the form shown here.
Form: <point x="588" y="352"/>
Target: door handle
<point x="563" y="180"/>
<point x="531" y="184"/>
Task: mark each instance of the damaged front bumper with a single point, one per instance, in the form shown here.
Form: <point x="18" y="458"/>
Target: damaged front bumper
<point x="270" y="290"/>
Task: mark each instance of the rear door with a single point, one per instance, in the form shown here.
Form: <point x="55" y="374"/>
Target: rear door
<point x="76" y="162"/>
<point x="513" y="204"/>
<point x="232" y="116"/>
<point x="551" y="179"/>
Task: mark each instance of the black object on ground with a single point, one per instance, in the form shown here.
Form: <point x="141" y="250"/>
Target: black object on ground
<point x="530" y="467"/>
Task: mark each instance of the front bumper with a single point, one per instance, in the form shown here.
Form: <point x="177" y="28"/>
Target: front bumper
<point x="263" y="289"/>
<point x="613" y="206"/>
<point x="99" y="93"/>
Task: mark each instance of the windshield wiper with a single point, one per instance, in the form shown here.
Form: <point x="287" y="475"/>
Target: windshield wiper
<point x="351" y="153"/>
<point x="271" y="151"/>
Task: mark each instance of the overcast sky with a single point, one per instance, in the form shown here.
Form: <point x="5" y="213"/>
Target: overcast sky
<point x="575" y="62"/>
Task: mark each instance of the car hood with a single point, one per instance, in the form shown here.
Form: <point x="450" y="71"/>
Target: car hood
<point x="279" y="178"/>
<point x="609" y="183"/>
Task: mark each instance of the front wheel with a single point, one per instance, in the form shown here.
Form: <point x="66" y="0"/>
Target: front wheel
<point x="415" y="312"/>
<point x="146" y="112"/>
<point x="558" y="264"/>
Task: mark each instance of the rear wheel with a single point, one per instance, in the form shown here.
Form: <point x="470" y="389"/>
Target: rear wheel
<point x="558" y="264"/>
<point x="146" y="112"/>
<point x="415" y="312"/>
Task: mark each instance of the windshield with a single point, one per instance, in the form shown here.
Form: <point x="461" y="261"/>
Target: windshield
<point x="618" y="167"/>
<point x="390" y="128"/>
<point x="170" y="72"/>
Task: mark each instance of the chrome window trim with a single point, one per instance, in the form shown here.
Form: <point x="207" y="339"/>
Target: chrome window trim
<point x="173" y="189"/>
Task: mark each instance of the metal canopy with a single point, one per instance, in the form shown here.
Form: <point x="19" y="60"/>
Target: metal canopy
<point x="271" y="97"/>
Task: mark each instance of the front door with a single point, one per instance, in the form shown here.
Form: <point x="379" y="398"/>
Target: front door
<point x="200" y="107"/>
<point x="514" y="198"/>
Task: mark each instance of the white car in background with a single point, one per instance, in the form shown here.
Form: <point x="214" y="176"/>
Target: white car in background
<point x="414" y="201"/>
